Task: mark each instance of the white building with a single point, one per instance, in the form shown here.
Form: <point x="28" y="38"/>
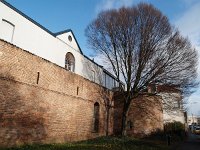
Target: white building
<point x="24" y="32"/>
<point x="172" y="104"/>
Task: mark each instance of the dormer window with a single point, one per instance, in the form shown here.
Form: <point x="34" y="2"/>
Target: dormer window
<point x="70" y="38"/>
<point x="70" y="62"/>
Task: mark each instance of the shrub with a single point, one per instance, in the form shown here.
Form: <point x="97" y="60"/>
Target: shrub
<point x="175" y="128"/>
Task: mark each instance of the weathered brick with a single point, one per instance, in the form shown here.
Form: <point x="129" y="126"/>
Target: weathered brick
<point x="50" y="111"/>
<point x="145" y="114"/>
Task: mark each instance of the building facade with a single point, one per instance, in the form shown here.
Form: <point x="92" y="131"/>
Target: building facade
<point x="48" y="99"/>
<point x="144" y="117"/>
<point x="60" y="48"/>
<point x="150" y="111"/>
<point x="50" y="91"/>
<point x="41" y="102"/>
<point x="172" y="104"/>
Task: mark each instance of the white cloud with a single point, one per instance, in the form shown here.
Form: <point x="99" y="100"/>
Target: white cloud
<point x="110" y="4"/>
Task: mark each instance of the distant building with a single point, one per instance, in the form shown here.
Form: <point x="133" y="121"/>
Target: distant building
<point x="193" y="120"/>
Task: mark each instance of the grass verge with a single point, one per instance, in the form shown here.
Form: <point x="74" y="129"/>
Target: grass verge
<point x="102" y="143"/>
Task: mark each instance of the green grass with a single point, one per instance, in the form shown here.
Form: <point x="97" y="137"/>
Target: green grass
<point x="103" y="143"/>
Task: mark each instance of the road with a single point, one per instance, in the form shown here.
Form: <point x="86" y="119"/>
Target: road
<point x="192" y="143"/>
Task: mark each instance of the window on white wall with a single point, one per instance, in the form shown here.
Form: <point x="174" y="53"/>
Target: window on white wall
<point x="7" y="30"/>
<point x="93" y="75"/>
<point x="70" y="62"/>
<point x="176" y="104"/>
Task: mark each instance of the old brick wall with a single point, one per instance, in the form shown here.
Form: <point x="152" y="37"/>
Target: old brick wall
<point x="56" y="107"/>
<point x="145" y="115"/>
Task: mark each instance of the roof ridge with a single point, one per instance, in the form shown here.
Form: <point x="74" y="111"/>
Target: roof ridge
<point x="38" y="24"/>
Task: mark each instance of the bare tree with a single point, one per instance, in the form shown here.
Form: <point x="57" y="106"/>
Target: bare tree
<point x="143" y="48"/>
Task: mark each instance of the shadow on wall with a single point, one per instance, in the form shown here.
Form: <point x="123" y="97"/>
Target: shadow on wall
<point x="144" y="115"/>
<point x="173" y="105"/>
<point x="21" y="119"/>
<point x="95" y="74"/>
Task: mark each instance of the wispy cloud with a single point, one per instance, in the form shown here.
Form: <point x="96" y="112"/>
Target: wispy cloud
<point x="189" y="25"/>
<point x="188" y="2"/>
<point x="110" y="4"/>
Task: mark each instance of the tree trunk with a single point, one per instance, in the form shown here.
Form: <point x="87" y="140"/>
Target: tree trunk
<point x="124" y="117"/>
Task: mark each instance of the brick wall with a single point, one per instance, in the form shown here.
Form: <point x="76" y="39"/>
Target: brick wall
<point x="145" y="115"/>
<point x="41" y="102"/>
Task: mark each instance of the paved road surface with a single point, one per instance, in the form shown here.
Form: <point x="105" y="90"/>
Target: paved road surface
<point x="193" y="143"/>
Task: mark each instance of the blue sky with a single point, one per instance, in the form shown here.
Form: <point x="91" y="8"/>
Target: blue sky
<point x="58" y="15"/>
